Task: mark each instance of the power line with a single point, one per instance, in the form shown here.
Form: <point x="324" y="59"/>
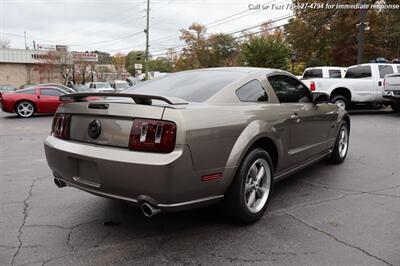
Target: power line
<point x="240" y="37"/>
<point x="235" y="32"/>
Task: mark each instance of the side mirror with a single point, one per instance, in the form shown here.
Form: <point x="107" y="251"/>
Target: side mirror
<point x="320" y="97"/>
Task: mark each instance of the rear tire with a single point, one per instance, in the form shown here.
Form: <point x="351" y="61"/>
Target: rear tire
<point x="248" y="196"/>
<point x="25" y="109"/>
<point x="341" y="147"/>
<point x="340" y="101"/>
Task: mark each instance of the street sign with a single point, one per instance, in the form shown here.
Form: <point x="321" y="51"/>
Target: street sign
<point x="138" y="66"/>
<point x="85" y="57"/>
<point x="46" y="47"/>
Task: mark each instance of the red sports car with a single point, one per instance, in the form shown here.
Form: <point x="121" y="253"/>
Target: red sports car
<point x="27" y="102"/>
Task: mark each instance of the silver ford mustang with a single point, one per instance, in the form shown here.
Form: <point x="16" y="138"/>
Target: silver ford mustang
<point x="195" y="138"/>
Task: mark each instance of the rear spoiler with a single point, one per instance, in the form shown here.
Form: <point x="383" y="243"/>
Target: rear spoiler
<point x="138" y="98"/>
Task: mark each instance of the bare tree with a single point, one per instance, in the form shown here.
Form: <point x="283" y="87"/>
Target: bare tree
<point x="5" y="44"/>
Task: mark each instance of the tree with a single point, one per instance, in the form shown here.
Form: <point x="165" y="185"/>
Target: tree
<point x="162" y="64"/>
<point x="118" y="60"/>
<point x="329" y="37"/>
<point x="224" y="50"/>
<point x="132" y="58"/>
<point x="266" y="51"/>
<point x="196" y="53"/>
<point x="5" y="44"/>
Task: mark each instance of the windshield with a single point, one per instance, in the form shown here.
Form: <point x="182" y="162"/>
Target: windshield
<point x="192" y="86"/>
<point x="6" y="88"/>
<point x="102" y="85"/>
<point x="121" y="85"/>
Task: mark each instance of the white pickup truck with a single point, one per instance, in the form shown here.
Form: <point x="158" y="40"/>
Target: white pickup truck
<point x="392" y="90"/>
<point x="361" y="84"/>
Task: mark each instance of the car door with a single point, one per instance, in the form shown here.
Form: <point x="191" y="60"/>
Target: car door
<point x="309" y="123"/>
<point x="49" y="99"/>
<point x="364" y="87"/>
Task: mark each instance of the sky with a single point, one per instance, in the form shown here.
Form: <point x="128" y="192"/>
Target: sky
<point x="117" y="26"/>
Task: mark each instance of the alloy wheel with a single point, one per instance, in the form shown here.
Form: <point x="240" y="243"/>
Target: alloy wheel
<point x="341" y="103"/>
<point x="25" y="109"/>
<point x="258" y="185"/>
<point x="343" y="142"/>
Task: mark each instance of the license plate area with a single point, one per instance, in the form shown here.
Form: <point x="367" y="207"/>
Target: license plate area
<point x="86" y="172"/>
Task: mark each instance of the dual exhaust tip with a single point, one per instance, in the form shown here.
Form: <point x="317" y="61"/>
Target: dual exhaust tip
<point x="147" y="209"/>
<point x="59" y="183"/>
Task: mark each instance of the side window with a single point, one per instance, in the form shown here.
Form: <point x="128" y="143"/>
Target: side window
<point x="334" y="73"/>
<point x="289" y="90"/>
<point x="30" y="91"/>
<point x="252" y="91"/>
<point x="384" y="70"/>
<point x="50" y="92"/>
<point x="91" y="86"/>
<point x="398" y="69"/>
<point x="358" y="72"/>
<point x="312" y="73"/>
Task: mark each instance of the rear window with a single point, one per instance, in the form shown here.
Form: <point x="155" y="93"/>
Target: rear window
<point x="312" y="73"/>
<point x="334" y="73"/>
<point x="385" y="70"/>
<point x="358" y="72"/>
<point x="192" y="86"/>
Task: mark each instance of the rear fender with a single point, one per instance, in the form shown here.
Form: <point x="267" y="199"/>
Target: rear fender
<point x="253" y="132"/>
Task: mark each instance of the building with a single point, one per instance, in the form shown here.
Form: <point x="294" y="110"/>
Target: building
<point x="19" y="67"/>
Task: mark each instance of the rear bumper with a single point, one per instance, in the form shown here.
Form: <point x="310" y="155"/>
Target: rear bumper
<point x="168" y="181"/>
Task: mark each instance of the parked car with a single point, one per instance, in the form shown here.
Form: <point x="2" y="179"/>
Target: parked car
<point x="81" y="88"/>
<point x="7" y="88"/>
<point x="312" y="74"/>
<point x="361" y="84"/>
<point x="26" y="102"/>
<point x="392" y="90"/>
<point x="25" y="86"/>
<point x="119" y="85"/>
<point x="100" y="87"/>
<point x="194" y="138"/>
<point x="133" y="81"/>
<point x="60" y="86"/>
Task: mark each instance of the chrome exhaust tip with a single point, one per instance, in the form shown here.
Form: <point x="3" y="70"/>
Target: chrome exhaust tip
<point x="59" y="183"/>
<point x="148" y="210"/>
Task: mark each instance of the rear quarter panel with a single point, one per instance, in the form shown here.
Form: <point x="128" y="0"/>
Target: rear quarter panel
<point x="219" y="136"/>
<point x="10" y="100"/>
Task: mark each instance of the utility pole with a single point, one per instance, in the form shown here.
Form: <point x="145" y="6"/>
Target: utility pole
<point x="361" y="34"/>
<point x="146" y="63"/>
<point x="26" y="47"/>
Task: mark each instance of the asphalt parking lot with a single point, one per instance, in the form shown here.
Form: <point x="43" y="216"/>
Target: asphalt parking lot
<point x="326" y="214"/>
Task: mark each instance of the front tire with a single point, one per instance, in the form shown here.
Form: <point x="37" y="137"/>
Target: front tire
<point x="247" y="198"/>
<point x="341" y="147"/>
<point x="25" y="109"/>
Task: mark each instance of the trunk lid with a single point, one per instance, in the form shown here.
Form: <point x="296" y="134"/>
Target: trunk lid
<point x="113" y="119"/>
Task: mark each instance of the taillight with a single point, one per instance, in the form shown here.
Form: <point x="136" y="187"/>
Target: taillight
<point x="61" y="125"/>
<point x="152" y="135"/>
<point x="312" y="86"/>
